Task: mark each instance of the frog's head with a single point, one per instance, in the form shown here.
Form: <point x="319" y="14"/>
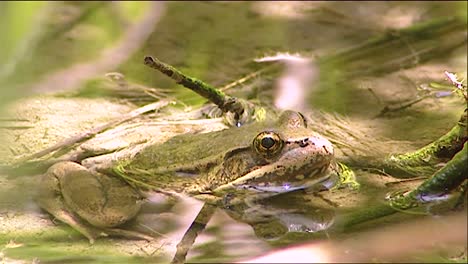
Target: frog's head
<point x="289" y="156"/>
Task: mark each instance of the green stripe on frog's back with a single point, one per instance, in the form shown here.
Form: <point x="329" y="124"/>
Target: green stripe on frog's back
<point x="191" y="152"/>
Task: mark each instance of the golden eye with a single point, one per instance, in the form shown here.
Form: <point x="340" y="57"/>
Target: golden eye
<point x="267" y="143"/>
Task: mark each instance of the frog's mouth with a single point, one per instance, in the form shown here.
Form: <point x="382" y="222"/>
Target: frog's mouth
<point x="275" y="183"/>
<point x="298" y="181"/>
<point x="288" y="182"/>
<point x="293" y="171"/>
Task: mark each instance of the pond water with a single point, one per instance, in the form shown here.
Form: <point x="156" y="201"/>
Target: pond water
<point x="367" y="57"/>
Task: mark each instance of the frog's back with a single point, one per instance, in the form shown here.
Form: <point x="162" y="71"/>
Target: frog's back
<point x="194" y="148"/>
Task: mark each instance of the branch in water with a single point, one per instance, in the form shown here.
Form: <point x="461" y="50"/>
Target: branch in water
<point x="423" y="159"/>
<point x="225" y="102"/>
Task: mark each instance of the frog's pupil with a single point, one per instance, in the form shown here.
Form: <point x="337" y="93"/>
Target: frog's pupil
<point x="268" y="142"/>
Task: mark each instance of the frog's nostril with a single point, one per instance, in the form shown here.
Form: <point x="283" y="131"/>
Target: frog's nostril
<point x="304" y="143"/>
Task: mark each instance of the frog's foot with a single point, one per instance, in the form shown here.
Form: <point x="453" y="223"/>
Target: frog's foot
<point x="127" y="234"/>
<point x="93" y="204"/>
<point x="63" y="215"/>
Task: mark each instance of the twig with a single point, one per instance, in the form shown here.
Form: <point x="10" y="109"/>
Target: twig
<point x="246" y="78"/>
<point x="375" y="95"/>
<point x="133" y="91"/>
<point x="388" y="109"/>
<point x="91" y="133"/>
<point x="452" y="78"/>
<point x="378" y="171"/>
<point x="405" y="180"/>
<point x="13" y="120"/>
<point x="154" y="231"/>
<point x="225" y="102"/>
<point x="197" y="226"/>
<point x="15" y="127"/>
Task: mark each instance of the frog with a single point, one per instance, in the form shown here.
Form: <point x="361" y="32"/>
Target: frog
<point x="98" y="194"/>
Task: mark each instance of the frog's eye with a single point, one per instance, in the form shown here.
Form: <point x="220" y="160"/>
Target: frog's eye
<point x="268" y="143"/>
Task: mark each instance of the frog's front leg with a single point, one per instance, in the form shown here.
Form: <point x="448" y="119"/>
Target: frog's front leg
<point x="92" y="203"/>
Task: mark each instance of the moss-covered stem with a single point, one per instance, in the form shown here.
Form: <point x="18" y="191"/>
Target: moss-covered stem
<point x="440" y="150"/>
<point x="361" y="216"/>
<point x="225" y="102"/>
<point x="446" y="179"/>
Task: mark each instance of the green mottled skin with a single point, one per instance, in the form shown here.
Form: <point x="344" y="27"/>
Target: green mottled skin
<point x="204" y="168"/>
<point x="105" y="191"/>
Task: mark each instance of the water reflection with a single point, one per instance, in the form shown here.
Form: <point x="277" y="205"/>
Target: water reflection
<point x="235" y="232"/>
<point x="275" y="217"/>
<point x="241" y="230"/>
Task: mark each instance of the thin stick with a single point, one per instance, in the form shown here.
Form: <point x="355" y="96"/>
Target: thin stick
<point x="91" y="133"/>
<point x="388" y="109"/>
<point x="246" y="78"/>
<point x="225" y="102"/>
<point x="405" y="180"/>
<point x="15" y="127"/>
<point x="197" y="226"/>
